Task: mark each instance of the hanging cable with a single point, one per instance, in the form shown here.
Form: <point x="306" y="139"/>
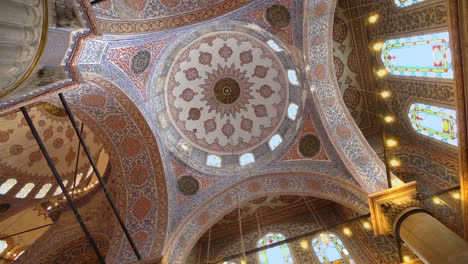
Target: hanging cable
<point x="208" y="247"/>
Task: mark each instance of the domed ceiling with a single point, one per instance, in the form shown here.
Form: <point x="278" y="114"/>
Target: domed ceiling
<point x="21" y="158"/>
<point x="227" y="94"/>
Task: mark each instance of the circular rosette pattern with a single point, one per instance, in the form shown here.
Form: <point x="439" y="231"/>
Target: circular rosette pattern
<point x="227" y="92"/>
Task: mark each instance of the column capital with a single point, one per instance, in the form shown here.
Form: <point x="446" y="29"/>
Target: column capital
<point x="386" y="206"/>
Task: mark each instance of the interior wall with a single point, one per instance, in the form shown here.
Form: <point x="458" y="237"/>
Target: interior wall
<point x="362" y="244"/>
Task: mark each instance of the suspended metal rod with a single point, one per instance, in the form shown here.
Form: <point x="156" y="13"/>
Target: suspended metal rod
<point x="98" y="175"/>
<point x="62" y="186"/>
<point x="77" y="162"/>
<point x="26" y="231"/>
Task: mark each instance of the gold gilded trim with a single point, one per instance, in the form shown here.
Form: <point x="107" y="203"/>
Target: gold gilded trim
<point x="37" y="57"/>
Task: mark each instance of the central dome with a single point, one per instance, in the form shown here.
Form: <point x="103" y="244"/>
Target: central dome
<point x="227" y="92"/>
<point x="227" y="98"/>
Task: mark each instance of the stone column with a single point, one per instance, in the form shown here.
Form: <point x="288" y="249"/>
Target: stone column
<point x="396" y="211"/>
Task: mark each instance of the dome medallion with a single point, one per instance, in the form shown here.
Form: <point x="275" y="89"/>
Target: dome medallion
<point x="226" y="94"/>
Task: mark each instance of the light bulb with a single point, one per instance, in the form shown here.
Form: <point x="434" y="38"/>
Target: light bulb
<point x="394" y="163"/>
<point x="347" y="231"/>
<point x="406" y="259"/>
<point x="385" y="94"/>
<point x="304" y="244"/>
<point x="377" y="46"/>
<point x="456" y="195"/>
<point x="381" y="73"/>
<point x="367" y="225"/>
<point x="373" y="18"/>
<point x="389" y="119"/>
<point x="392" y="143"/>
<point x="436" y="200"/>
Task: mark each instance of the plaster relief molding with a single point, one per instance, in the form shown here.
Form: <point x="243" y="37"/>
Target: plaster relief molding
<point x="386" y="205"/>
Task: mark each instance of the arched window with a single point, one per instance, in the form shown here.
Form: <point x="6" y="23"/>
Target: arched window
<point x="6" y="186"/>
<point x="292" y="111"/>
<point x="419" y="56"/>
<point x="3" y="246"/>
<point x="213" y="161"/>
<point x="275" y="141"/>
<point x="406" y="3"/>
<point x="277" y="255"/>
<point x="43" y="191"/>
<point x="58" y="190"/>
<point x="27" y="188"/>
<point x="435" y="122"/>
<point x="246" y="159"/>
<point x="329" y="249"/>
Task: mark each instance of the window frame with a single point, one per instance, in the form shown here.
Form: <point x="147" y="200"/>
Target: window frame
<point x="424" y="137"/>
<point x="343" y="240"/>
<point x="290" y="247"/>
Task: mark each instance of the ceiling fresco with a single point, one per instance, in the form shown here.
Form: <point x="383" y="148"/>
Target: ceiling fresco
<point x="227" y="94"/>
<point x="353" y="72"/>
<point x="22" y="160"/>
<point x="164" y="103"/>
<point x="155" y="15"/>
<point x="236" y="88"/>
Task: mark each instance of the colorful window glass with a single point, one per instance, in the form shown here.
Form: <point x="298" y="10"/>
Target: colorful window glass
<point x="246" y="159"/>
<point x="329" y="249"/>
<point x="419" y="56"/>
<point x="406" y="3"/>
<point x="27" y="188"/>
<point x="3" y="246"/>
<point x="277" y="255"/>
<point x="435" y="122"/>
<point x="43" y="191"/>
<point x="6" y="186"/>
<point x="275" y="141"/>
<point x="58" y="190"/>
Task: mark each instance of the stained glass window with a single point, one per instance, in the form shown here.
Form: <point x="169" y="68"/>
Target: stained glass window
<point x="6" y="186"/>
<point x="3" y="246"/>
<point x="275" y="141"/>
<point x="246" y="159"/>
<point x="43" y="191"/>
<point x="435" y="122"/>
<point x="419" y="56"/>
<point x="277" y="255"/>
<point x="292" y="111"/>
<point x="213" y="161"/>
<point x="58" y="190"/>
<point x="329" y="249"/>
<point x="406" y="3"/>
<point x="27" y="188"/>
